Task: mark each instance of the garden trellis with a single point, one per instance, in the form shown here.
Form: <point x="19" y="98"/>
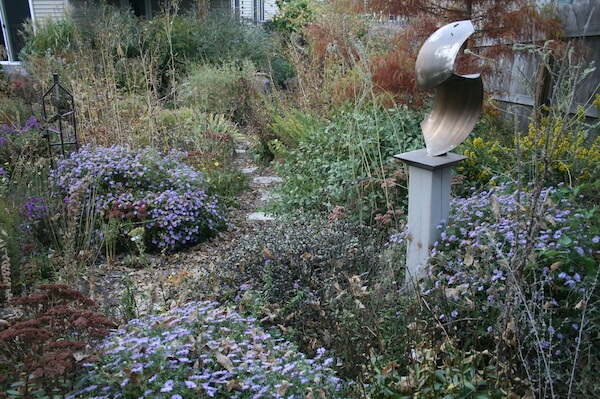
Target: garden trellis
<point x="60" y="130"/>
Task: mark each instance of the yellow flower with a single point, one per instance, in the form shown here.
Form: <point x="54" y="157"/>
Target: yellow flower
<point x="478" y="142"/>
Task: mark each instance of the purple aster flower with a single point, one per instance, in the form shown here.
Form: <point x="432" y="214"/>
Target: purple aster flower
<point x="168" y="386"/>
<point x="190" y="384"/>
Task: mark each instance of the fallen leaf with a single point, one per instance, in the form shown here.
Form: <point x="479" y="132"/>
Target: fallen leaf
<point x="389" y="368"/>
<point x="268" y="254"/>
<point x="234" y="385"/>
<point x="283" y="388"/>
<point x="469" y="259"/>
<point x="224" y="361"/>
<point x="528" y="394"/>
<point x="359" y="304"/>
<point x="556" y="265"/>
<point x="495" y="207"/>
<point x="79" y="356"/>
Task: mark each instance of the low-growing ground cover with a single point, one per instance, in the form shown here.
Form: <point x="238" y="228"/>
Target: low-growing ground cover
<point x="203" y="350"/>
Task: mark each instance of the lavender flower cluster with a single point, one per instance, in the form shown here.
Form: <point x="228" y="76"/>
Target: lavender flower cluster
<point x="177" y="210"/>
<point x="34" y="210"/>
<point x="472" y="262"/>
<point x="6" y="130"/>
<point x="495" y="223"/>
<point x="203" y="350"/>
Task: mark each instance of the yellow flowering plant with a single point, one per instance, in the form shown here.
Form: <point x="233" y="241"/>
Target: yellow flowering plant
<point x="564" y="145"/>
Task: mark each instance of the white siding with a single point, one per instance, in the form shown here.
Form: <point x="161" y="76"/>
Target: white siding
<point x="256" y="10"/>
<point x="48" y="9"/>
<point x="246" y="9"/>
<point x="270" y="9"/>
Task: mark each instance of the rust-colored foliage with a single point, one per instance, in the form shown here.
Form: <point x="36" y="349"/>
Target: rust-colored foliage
<point x="47" y="342"/>
<point x="498" y="23"/>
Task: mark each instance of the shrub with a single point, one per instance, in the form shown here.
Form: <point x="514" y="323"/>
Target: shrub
<point x="42" y="349"/>
<point x="129" y="189"/>
<point x="225" y="89"/>
<point x="324" y="283"/>
<point x="540" y="319"/>
<point x="56" y="37"/>
<point x="348" y="162"/>
<point x="294" y="15"/>
<point x="19" y="145"/>
<point x="203" y="350"/>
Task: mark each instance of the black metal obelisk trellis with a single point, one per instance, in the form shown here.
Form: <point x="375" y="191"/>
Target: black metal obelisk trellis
<point x="58" y="109"/>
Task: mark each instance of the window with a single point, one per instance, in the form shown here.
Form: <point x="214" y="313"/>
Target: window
<point x="13" y="15"/>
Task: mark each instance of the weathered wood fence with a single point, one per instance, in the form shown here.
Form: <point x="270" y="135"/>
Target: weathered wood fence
<point x="523" y="78"/>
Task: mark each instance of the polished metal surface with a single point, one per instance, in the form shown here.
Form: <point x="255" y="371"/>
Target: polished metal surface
<point x="458" y="98"/>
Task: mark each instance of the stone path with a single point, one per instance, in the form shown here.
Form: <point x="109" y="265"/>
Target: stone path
<point x="262" y="181"/>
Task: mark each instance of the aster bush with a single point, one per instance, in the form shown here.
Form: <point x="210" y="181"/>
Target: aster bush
<point x="127" y="189"/>
<point x="513" y="287"/>
<point x="202" y="350"/>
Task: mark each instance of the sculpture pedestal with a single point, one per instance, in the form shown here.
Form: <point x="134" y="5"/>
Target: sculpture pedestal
<point x="428" y="205"/>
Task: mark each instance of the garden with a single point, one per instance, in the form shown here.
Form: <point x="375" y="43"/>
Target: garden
<point x="314" y="303"/>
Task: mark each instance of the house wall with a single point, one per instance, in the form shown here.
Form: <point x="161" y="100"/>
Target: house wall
<point x="42" y="10"/>
<point x="257" y="10"/>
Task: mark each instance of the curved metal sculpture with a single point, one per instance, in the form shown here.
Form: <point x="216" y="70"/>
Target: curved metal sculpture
<point x="458" y="98"/>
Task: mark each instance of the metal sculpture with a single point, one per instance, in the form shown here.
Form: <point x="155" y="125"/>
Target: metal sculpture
<point x="458" y="98"/>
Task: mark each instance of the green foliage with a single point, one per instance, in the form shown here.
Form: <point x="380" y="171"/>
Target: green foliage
<point x="56" y="37"/>
<point x="294" y="15"/>
<point x="225" y="89"/>
<point x="325" y="284"/>
<point x="23" y="173"/>
<point x="227" y="184"/>
<point x="348" y="162"/>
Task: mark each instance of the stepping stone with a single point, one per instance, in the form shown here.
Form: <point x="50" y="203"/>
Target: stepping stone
<point x="267" y="195"/>
<point x="260" y="217"/>
<point x="267" y="179"/>
<point x="250" y="170"/>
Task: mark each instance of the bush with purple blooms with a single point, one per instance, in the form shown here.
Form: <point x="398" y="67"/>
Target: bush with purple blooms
<point x="541" y="318"/>
<point x="202" y="351"/>
<point x="139" y="188"/>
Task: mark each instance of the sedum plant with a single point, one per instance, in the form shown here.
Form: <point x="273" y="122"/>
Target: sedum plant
<point x="128" y="189"/>
<point x="202" y="350"/>
<point x="44" y="346"/>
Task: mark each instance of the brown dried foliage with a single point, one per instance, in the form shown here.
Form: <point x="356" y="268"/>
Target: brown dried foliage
<point x="47" y="342"/>
<point x="498" y="23"/>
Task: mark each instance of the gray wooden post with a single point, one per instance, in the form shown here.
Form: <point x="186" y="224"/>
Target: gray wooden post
<point x="428" y="205"/>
